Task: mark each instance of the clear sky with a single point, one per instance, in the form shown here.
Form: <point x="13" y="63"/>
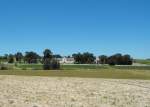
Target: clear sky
<point x="68" y="26"/>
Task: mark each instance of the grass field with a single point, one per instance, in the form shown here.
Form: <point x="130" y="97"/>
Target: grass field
<point x="85" y="67"/>
<point x="88" y="71"/>
<point x="101" y="73"/>
<point x="142" y="61"/>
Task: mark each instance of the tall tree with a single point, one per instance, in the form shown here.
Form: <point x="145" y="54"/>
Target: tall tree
<point x="47" y="54"/>
<point x="85" y="58"/>
<point x="49" y="62"/>
<point x="119" y="59"/>
<point x="127" y="60"/>
<point x="103" y="59"/>
<point x="10" y="58"/>
<point x="19" y="57"/>
<point x="57" y="56"/>
<point x="31" y="57"/>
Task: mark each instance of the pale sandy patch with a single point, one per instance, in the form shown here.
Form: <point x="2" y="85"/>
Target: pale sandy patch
<point x="21" y="91"/>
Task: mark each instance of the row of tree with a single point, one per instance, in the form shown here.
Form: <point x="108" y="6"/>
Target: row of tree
<point x="80" y="58"/>
<point x="29" y="57"/>
<point x="117" y="59"/>
<point x="89" y="58"/>
<point x="84" y="58"/>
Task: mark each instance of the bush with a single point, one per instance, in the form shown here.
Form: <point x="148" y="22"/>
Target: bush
<point x="111" y="61"/>
<point x="3" y="67"/>
<point x="119" y="59"/>
<point x="55" y="64"/>
<point x="24" y="68"/>
<point x="51" y="64"/>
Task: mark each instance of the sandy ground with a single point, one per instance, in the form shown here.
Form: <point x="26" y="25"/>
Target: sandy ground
<point x="20" y="91"/>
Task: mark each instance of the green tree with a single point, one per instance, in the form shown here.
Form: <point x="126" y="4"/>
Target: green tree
<point x="57" y="56"/>
<point x="10" y="58"/>
<point x="119" y="59"/>
<point x="31" y="57"/>
<point x="19" y="57"/>
<point x="49" y="63"/>
<point x="85" y="58"/>
<point x="103" y="59"/>
<point x="127" y="60"/>
<point x="47" y="54"/>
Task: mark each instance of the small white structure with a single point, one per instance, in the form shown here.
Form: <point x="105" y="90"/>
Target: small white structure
<point x="66" y="60"/>
<point x="97" y="60"/>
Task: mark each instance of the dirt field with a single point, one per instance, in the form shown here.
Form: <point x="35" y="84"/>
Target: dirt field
<point x="21" y="91"/>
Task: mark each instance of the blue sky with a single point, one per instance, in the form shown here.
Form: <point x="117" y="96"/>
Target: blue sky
<point x="68" y="26"/>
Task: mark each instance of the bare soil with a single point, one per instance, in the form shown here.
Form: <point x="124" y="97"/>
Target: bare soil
<point x="24" y="91"/>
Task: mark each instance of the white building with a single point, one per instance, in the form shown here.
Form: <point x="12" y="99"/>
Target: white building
<point x="66" y="60"/>
<point x="97" y="60"/>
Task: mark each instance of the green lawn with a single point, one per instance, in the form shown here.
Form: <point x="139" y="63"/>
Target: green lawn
<point x="142" y="61"/>
<point x="88" y="71"/>
<point x="99" y="73"/>
<point x="85" y="67"/>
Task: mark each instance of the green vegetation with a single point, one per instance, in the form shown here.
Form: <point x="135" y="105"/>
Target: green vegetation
<point x="100" y="73"/>
<point x="32" y="64"/>
<point x="90" y="71"/>
<point x="31" y="57"/>
<point x="83" y="67"/>
<point x="142" y="61"/>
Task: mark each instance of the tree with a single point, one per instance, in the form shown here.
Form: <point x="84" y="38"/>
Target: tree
<point x="57" y="56"/>
<point x="19" y="57"/>
<point x="51" y="64"/>
<point x="47" y="54"/>
<point x="119" y="59"/>
<point x="78" y="58"/>
<point x="10" y="58"/>
<point x="88" y="58"/>
<point x="47" y="64"/>
<point x="103" y="59"/>
<point x="127" y="60"/>
<point x="85" y="58"/>
<point x="31" y="57"/>
<point x="111" y="60"/>
<point x="6" y="56"/>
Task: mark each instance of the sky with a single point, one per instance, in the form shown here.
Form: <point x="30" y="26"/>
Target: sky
<point x="70" y="26"/>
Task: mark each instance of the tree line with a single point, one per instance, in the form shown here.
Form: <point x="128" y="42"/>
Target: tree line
<point x="117" y="59"/>
<point x="89" y="58"/>
<point x="48" y="59"/>
<point x="79" y="58"/>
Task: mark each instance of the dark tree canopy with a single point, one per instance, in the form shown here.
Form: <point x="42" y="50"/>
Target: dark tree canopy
<point x="51" y="64"/>
<point x="57" y="56"/>
<point x="79" y="58"/>
<point x="119" y="59"/>
<point x="85" y="58"/>
<point x="10" y="58"/>
<point x="19" y="56"/>
<point x="49" y="61"/>
<point x="103" y="59"/>
<point x="31" y="57"/>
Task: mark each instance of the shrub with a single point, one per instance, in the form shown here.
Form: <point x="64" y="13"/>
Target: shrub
<point x="24" y="68"/>
<point x="119" y="59"/>
<point x="111" y="61"/>
<point x="51" y="64"/>
<point x="3" y="67"/>
<point x="55" y="65"/>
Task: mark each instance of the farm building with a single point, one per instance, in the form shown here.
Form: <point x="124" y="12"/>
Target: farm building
<point x="65" y="60"/>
